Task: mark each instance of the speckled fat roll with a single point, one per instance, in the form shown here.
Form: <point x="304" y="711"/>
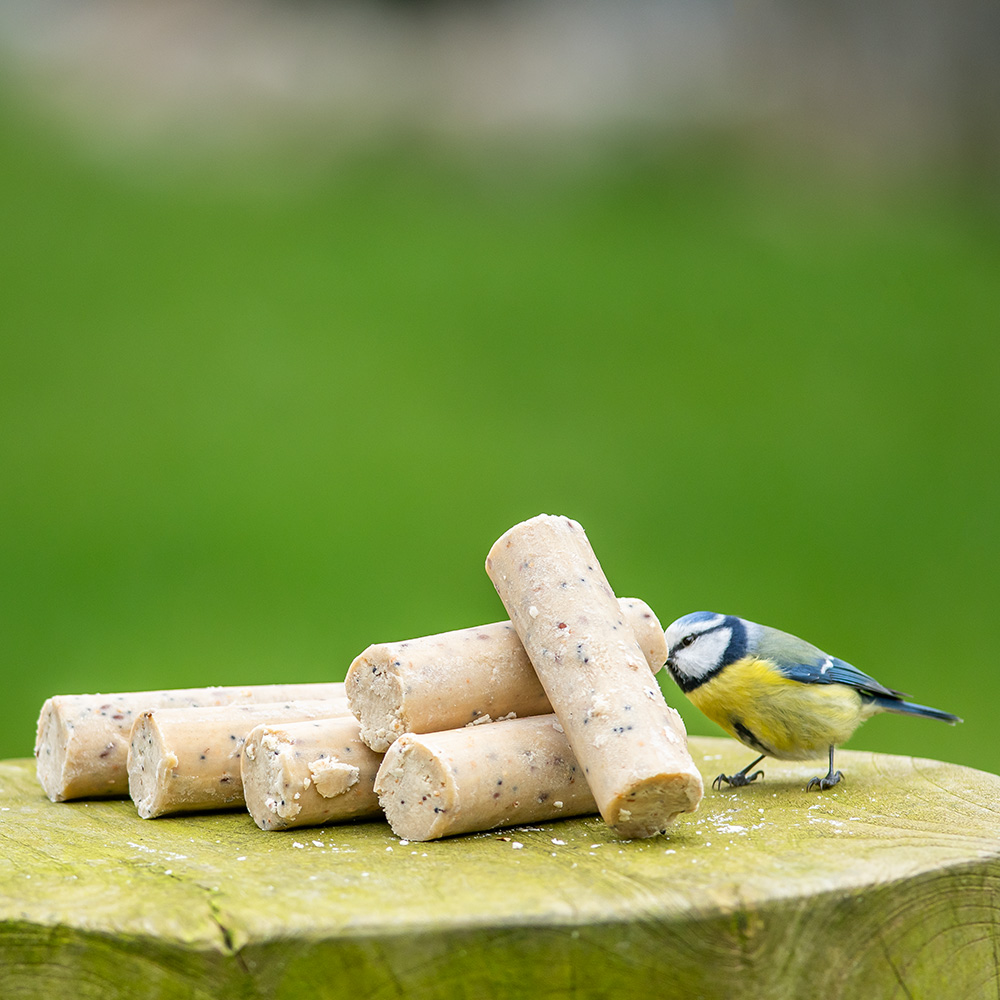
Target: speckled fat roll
<point x="455" y="678"/>
<point x="435" y="785"/>
<point x="631" y="744"/>
<point x="308" y="773"/>
<point x="188" y="759"/>
<point x="82" y="740"/>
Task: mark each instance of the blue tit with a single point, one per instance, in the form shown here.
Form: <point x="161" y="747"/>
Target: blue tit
<point x="774" y="692"/>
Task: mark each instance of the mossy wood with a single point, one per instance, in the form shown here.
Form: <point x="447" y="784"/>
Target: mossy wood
<point x="887" y="886"/>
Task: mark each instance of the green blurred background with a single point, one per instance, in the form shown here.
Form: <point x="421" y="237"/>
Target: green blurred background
<point x="270" y="397"/>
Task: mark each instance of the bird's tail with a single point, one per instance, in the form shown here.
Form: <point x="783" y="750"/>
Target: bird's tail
<point x="910" y="708"/>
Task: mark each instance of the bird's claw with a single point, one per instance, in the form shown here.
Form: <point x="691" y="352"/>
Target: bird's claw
<point x="737" y="780"/>
<point x="824" y="783"/>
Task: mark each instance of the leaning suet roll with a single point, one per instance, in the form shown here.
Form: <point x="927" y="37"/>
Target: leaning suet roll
<point x="774" y="692"/>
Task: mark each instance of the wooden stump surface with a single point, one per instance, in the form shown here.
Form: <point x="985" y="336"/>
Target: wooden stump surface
<point x="886" y="887"/>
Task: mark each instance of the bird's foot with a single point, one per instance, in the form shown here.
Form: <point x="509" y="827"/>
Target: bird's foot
<point x="824" y="783"/>
<point x="737" y="780"/>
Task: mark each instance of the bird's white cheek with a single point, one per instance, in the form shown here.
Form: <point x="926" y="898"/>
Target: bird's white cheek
<point x="708" y="651"/>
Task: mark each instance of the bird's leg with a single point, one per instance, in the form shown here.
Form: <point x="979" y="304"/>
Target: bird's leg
<point x="831" y="778"/>
<point x="740" y="778"/>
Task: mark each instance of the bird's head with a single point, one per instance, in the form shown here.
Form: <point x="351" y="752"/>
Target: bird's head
<point x="701" y="644"/>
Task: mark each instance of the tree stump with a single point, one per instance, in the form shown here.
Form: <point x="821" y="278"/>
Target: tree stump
<point x="886" y="886"/>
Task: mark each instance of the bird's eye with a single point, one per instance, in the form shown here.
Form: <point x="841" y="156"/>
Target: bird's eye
<point x="686" y="641"/>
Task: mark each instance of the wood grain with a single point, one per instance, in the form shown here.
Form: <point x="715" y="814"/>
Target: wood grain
<point x="887" y="887"/>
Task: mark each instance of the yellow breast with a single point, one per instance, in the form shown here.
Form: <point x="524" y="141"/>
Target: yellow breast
<point x="758" y="705"/>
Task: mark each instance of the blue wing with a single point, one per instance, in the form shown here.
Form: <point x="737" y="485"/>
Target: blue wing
<point x="831" y="670"/>
<point x="801" y="661"/>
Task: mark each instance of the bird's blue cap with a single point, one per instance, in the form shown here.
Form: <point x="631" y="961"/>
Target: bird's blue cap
<point x="698" y="616"/>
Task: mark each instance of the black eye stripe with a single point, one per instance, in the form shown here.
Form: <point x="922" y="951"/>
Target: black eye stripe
<point x="691" y="636"/>
<point x="737" y="647"/>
